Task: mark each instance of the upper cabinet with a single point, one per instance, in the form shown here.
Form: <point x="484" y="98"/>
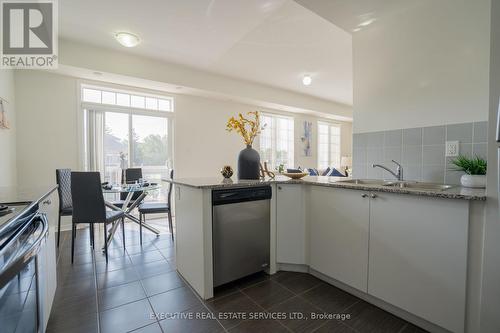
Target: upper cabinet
<point x="418" y="256"/>
<point x="339" y="229"/>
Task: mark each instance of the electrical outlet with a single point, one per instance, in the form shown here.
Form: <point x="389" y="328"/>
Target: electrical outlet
<point x="452" y="148"/>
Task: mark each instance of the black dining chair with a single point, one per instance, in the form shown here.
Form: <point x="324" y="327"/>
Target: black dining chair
<point x="131" y="176"/>
<point x="63" y="180"/>
<point x="89" y="207"/>
<point x="153" y="207"/>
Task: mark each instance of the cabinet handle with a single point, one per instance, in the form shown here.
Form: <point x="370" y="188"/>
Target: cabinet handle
<point x="47" y="202"/>
<point x="364" y="195"/>
<point x="279" y="188"/>
<point x="373" y="196"/>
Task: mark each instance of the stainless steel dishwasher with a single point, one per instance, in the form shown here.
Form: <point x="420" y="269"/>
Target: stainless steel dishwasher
<point x="241" y="232"/>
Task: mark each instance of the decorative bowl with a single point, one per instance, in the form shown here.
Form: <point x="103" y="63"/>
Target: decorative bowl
<point x="295" y="175"/>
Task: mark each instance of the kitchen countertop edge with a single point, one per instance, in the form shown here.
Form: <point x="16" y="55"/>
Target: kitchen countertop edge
<point x="456" y="192"/>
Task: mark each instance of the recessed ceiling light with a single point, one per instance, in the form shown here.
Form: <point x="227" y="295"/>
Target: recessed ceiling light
<point x="127" y="39"/>
<point x="366" y="23"/>
<point x="307" y="80"/>
<point x="356" y="29"/>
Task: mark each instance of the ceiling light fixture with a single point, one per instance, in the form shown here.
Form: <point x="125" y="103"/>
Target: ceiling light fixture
<point x="127" y="39"/>
<point x="366" y="23"/>
<point x="307" y="80"/>
<point x="356" y="29"/>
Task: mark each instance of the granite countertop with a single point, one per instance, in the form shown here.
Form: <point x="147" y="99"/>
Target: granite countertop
<point x="456" y="192"/>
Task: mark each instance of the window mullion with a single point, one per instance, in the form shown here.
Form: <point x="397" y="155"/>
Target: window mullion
<point x="130" y="143"/>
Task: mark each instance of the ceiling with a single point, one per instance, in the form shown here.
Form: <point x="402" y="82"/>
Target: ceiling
<point x="273" y="42"/>
<point x="349" y="14"/>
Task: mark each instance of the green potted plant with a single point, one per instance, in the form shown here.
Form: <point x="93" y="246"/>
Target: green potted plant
<point x="474" y="168"/>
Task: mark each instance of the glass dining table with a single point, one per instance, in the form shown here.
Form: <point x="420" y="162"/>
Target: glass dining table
<point x="129" y="203"/>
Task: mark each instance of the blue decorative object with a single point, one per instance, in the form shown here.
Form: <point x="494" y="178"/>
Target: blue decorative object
<point x="336" y="173"/>
<point x="306" y="138"/>
<point x="313" y="172"/>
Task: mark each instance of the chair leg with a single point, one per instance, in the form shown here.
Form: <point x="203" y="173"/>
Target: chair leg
<point x="91" y="231"/>
<point x="140" y="227"/>
<point x="58" y="230"/>
<point x="123" y="231"/>
<point x="90" y="234"/>
<point x="170" y="223"/>
<point x="105" y="244"/>
<point x="73" y="237"/>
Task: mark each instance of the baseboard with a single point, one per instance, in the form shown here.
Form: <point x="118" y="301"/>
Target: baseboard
<point x="293" y="268"/>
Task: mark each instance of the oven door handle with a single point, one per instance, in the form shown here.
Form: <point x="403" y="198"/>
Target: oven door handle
<point x="14" y="267"/>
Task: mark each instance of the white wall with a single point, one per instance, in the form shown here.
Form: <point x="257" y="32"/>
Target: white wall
<point x="8" y="174"/>
<point x="490" y="320"/>
<point x="423" y="67"/>
<point x="47" y="130"/>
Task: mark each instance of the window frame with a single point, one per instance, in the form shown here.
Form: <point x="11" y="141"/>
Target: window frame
<point x="131" y="92"/>
<point x="329" y="143"/>
<point x="274" y="140"/>
<point x="130" y="111"/>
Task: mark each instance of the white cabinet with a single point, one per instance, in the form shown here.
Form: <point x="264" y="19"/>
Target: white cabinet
<point x="339" y="228"/>
<point x="291" y="224"/>
<point x="418" y="256"/>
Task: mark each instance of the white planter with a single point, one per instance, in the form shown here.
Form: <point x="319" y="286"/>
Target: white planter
<point x="476" y="181"/>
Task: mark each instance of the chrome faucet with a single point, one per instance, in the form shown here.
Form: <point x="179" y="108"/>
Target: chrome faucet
<point x="399" y="171"/>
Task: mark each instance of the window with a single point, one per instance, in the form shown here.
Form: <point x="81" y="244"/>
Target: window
<point x="123" y="130"/>
<point x="107" y="96"/>
<point x="328" y="145"/>
<point x="276" y="141"/>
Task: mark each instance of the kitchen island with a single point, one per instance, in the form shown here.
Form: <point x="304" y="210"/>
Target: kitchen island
<point x="412" y="251"/>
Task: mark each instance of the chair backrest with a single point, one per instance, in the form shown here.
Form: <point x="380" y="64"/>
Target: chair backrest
<point x="170" y="186"/>
<point x="88" y="200"/>
<point x="63" y="179"/>
<point x="132" y="175"/>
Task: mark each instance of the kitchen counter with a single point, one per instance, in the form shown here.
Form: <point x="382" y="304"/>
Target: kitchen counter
<point x="214" y="183"/>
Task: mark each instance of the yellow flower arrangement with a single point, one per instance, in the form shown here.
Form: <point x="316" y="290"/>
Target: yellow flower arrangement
<point x="240" y="126"/>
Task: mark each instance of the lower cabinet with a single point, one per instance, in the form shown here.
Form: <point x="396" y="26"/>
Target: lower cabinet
<point x="339" y="227"/>
<point x="418" y="256"/>
<point x="407" y="250"/>
<point x="290" y="224"/>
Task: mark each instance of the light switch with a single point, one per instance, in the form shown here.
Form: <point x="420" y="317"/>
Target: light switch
<point x="452" y="148"/>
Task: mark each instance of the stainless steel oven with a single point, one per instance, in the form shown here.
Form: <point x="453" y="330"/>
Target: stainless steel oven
<point x="20" y="289"/>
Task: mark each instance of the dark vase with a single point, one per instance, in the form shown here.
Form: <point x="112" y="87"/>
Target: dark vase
<point x="249" y="164"/>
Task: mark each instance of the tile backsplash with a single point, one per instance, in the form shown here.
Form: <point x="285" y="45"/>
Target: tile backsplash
<point x="421" y="151"/>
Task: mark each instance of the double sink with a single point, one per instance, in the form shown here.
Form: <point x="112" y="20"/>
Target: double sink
<point x="399" y="184"/>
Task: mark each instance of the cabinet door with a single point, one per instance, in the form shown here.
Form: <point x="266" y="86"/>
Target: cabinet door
<point x="418" y="256"/>
<point x="339" y="225"/>
<point x="291" y="226"/>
